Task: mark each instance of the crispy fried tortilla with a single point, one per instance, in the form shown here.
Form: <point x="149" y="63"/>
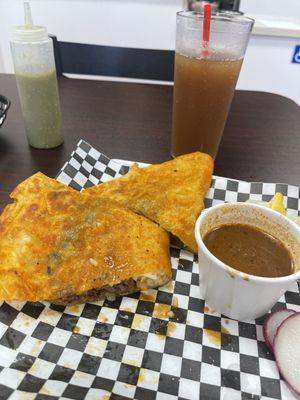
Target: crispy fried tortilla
<point x="61" y="245"/>
<point x="170" y="194"/>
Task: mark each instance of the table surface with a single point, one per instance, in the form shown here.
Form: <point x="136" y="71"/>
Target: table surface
<point x="261" y="141"/>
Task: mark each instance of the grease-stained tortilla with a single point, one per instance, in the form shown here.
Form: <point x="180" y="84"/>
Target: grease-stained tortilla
<point x="62" y="245"/>
<point x="171" y="194"/>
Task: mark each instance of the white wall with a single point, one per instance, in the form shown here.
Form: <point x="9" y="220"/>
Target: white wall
<point x="287" y="8"/>
<point x="267" y="67"/>
<point x="151" y="24"/>
<point x="128" y="23"/>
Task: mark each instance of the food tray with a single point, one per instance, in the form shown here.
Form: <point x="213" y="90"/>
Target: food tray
<point x="4" y="106"/>
<point x="126" y="349"/>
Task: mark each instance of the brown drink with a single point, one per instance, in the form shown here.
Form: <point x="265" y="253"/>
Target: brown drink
<point x="202" y="96"/>
<point x="206" y="73"/>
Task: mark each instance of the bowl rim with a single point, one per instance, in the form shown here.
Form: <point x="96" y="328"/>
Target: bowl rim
<point x="226" y="268"/>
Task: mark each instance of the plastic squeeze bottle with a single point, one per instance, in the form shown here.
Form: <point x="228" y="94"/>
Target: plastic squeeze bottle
<point x="33" y="57"/>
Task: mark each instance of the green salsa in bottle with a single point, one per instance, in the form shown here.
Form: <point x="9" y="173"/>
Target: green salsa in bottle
<point x="34" y="63"/>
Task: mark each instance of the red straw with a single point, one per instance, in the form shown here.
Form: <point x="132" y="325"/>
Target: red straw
<point x="206" y="29"/>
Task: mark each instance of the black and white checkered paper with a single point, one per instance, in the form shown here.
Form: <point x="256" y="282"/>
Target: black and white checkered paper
<point x="120" y="349"/>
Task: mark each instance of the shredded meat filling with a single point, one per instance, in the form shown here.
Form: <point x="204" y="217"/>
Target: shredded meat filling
<point x="121" y="289"/>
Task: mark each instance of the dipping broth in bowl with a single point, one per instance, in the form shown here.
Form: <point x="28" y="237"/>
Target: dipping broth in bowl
<point x="250" y="250"/>
<point x="249" y="255"/>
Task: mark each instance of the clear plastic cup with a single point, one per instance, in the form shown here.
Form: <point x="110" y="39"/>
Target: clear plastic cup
<point x="204" y="82"/>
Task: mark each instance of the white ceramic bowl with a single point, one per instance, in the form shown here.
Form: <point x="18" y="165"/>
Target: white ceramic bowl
<point x="229" y="291"/>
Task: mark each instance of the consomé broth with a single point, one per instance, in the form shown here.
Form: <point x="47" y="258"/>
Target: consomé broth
<point x="249" y="250"/>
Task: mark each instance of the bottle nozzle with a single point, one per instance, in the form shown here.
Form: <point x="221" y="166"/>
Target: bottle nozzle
<point x="29" y="32"/>
<point x="27" y="14"/>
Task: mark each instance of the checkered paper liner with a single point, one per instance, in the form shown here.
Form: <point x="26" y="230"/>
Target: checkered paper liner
<point x="121" y="349"/>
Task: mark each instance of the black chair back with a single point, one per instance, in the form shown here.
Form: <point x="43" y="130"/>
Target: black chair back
<point x="90" y="59"/>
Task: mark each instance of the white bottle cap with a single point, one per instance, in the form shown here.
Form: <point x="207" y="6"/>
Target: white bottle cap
<point x="29" y="32"/>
